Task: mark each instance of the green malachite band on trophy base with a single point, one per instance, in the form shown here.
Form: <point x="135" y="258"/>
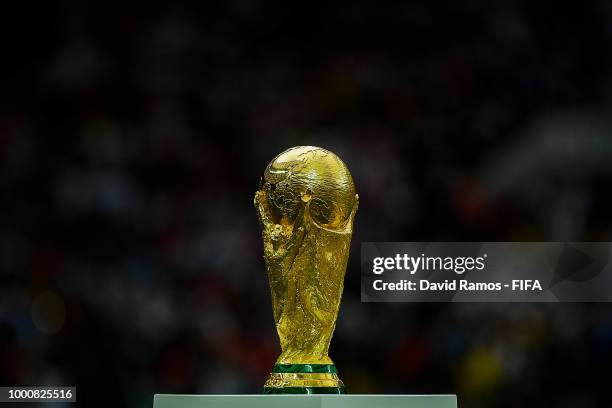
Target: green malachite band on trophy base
<point x="304" y="379"/>
<point x="304" y="368"/>
<point x="305" y="390"/>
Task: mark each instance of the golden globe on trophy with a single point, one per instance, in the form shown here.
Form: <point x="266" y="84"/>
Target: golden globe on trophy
<point x="306" y="205"/>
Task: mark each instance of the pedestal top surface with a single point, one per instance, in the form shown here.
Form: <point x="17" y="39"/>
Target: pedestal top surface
<point x="304" y="401"/>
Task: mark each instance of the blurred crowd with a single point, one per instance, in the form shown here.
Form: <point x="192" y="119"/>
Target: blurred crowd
<point x="132" y="141"/>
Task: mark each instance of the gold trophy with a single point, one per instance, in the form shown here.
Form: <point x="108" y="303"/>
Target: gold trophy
<point x="306" y="205"/>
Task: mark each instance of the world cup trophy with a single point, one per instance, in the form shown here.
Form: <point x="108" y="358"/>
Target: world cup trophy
<point x="306" y="205"/>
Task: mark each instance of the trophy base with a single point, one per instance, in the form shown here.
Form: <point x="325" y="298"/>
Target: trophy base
<point x="305" y="390"/>
<point x="304" y="379"/>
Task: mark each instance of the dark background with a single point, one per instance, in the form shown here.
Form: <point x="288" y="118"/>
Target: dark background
<point x="132" y="139"/>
